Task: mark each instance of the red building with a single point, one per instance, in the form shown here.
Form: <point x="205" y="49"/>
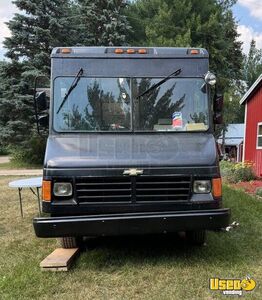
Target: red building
<point x="253" y="125"/>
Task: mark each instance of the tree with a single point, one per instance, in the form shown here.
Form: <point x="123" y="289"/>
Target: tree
<point x="195" y="23"/>
<point x="252" y="69"/>
<point x="252" y="65"/>
<point x="39" y="27"/>
<point x="102" y="23"/>
<point x="190" y="23"/>
<point x="42" y="26"/>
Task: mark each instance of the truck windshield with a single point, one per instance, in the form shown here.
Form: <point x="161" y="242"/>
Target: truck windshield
<point x="112" y="104"/>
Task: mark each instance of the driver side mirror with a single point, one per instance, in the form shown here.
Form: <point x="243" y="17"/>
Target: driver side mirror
<point x="43" y="120"/>
<point x="41" y="103"/>
<point x="218" y="108"/>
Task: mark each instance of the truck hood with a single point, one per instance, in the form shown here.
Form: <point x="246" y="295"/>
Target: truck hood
<point x="130" y="150"/>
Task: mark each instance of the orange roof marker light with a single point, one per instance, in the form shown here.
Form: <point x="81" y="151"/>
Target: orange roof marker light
<point x="46" y="190"/>
<point x="130" y="51"/>
<point x="142" y="51"/>
<point x="194" y="51"/>
<point x="66" y="50"/>
<point x="119" y="51"/>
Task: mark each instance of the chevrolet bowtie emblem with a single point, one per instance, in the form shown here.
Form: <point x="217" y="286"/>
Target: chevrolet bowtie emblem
<point x="133" y="172"/>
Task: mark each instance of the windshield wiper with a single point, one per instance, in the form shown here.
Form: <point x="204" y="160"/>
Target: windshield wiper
<point x="156" y="85"/>
<point x="73" y="85"/>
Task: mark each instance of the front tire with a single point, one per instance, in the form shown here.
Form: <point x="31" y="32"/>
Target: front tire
<point x="70" y="242"/>
<point x="196" y="237"/>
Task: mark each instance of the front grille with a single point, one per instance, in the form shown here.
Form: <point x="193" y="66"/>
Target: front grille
<point x="162" y="188"/>
<point x="132" y="189"/>
<point x="103" y="189"/>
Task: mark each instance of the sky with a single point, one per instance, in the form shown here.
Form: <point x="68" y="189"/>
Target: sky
<point x="248" y="14"/>
<point x="7" y="10"/>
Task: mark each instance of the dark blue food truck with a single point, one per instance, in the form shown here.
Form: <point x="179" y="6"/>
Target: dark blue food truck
<point x="131" y="147"/>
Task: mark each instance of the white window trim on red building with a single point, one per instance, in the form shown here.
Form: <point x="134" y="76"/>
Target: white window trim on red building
<point x="259" y="135"/>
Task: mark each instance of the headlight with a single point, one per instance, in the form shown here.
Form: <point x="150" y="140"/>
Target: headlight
<point x="63" y="189"/>
<point x="202" y="186"/>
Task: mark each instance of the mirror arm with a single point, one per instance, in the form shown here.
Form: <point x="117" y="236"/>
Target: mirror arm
<point x="35" y="107"/>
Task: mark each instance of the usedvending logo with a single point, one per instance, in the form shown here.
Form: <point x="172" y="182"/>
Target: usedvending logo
<point x="232" y="286"/>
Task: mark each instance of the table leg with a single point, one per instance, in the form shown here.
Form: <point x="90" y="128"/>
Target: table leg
<point x="20" y="200"/>
<point x="39" y="202"/>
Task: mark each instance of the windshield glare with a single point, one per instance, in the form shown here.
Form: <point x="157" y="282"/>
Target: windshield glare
<point x="112" y="104"/>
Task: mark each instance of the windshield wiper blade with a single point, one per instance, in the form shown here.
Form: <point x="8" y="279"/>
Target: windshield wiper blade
<point x="73" y="85"/>
<point x="154" y="86"/>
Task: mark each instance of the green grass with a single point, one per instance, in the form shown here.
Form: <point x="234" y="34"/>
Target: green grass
<point x="15" y="165"/>
<point x="129" y="268"/>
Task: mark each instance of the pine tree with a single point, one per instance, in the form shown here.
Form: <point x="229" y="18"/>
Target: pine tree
<point x="252" y="64"/>
<point x="42" y="26"/>
<point x="15" y="104"/>
<point x="194" y="23"/>
<point x="39" y="27"/>
<point x="102" y="22"/>
<point x="190" y="23"/>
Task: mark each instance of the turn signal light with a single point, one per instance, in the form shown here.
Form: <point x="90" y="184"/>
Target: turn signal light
<point x="46" y="190"/>
<point x="217" y="187"/>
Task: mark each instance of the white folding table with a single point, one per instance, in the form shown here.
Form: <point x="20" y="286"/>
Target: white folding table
<point x="31" y="183"/>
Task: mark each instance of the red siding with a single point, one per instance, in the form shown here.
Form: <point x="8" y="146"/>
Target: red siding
<point x="253" y="117"/>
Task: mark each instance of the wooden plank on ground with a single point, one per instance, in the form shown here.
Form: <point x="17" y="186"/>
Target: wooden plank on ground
<point x="59" y="260"/>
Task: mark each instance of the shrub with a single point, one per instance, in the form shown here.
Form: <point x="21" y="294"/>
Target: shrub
<point x="32" y="152"/>
<point x="226" y="168"/>
<point x="235" y="172"/>
<point x="3" y="151"/>
<point x="259" y="192"/>
<point x="244" y="172"/>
